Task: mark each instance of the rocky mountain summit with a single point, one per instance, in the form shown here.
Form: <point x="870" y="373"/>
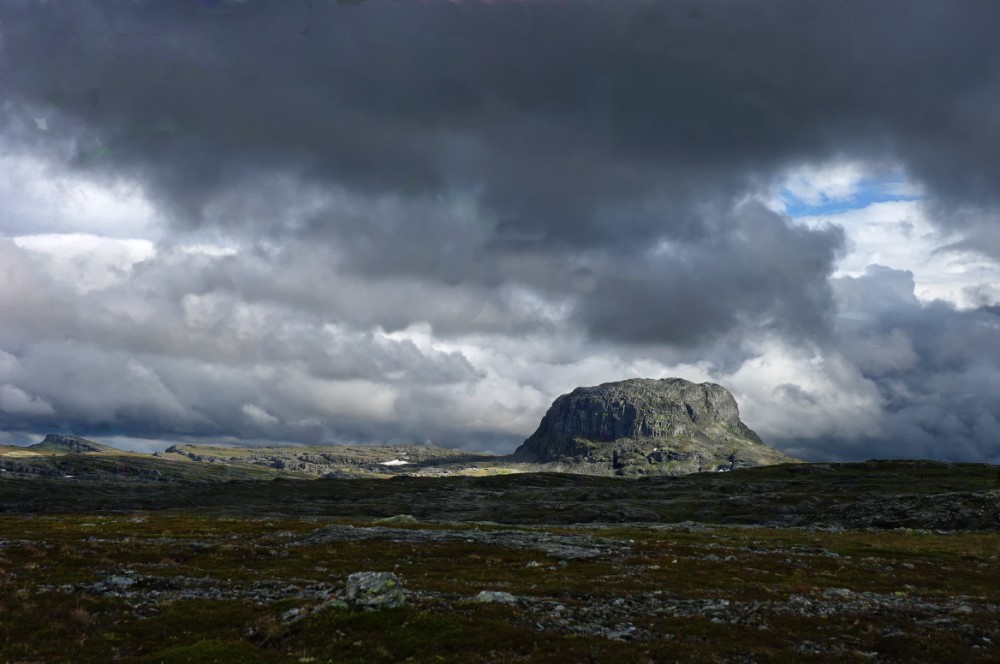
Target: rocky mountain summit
<point x="644" y="426"/>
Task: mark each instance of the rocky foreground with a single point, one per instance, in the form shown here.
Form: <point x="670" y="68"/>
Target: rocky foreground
<point x="191" y="586"/>
<point x="886" y="561"/>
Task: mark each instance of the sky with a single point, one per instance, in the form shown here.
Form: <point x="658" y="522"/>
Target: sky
<point x="366" y="221"/>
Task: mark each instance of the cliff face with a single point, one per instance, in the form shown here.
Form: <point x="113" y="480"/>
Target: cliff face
<point x="644" y="426"/>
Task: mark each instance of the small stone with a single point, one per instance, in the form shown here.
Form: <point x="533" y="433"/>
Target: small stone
<point x="399" y="519"/>
<point x="120" y="581"/>
<point x="621" y="633"/>
<point x="496" y="597"/>
<point x="291" y="614"/>
<point x="837" y="592"/>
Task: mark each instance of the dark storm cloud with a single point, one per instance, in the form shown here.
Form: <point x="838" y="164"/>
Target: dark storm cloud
<point x="759" y="273"/>
<point x="576" y="127"/>
<point x="537" y="101"/>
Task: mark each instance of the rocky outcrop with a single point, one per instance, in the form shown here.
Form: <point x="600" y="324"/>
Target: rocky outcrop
<point x="643" y="426"/>
<point x="61" y="444"/>
<point x="374" y="590"/>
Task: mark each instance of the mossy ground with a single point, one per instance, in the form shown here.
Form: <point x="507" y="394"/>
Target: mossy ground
<point x="50" y="611"/>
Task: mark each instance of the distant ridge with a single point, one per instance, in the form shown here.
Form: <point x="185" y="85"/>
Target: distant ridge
<point x="60" y="444"/>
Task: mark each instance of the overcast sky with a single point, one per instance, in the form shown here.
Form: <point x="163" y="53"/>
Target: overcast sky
<point x="323" y="221"/>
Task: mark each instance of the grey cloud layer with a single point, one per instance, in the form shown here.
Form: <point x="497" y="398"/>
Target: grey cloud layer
<point x="513" y="168"/>
<point x="161" y="353"/>
<point x="935" y="372"/>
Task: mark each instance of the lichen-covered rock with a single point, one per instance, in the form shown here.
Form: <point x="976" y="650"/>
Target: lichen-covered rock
<point x="647" y="427"/>
<point x="374" y="590"/>
<point x="496" y="597"/>
<point x="398" y="520"/>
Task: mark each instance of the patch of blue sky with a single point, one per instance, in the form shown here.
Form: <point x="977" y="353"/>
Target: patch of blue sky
<point x="866" y="191"/>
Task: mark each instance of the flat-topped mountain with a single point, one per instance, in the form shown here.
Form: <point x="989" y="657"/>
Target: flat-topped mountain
<point x="61" y="444"/>
<point x="644" y="426"/>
